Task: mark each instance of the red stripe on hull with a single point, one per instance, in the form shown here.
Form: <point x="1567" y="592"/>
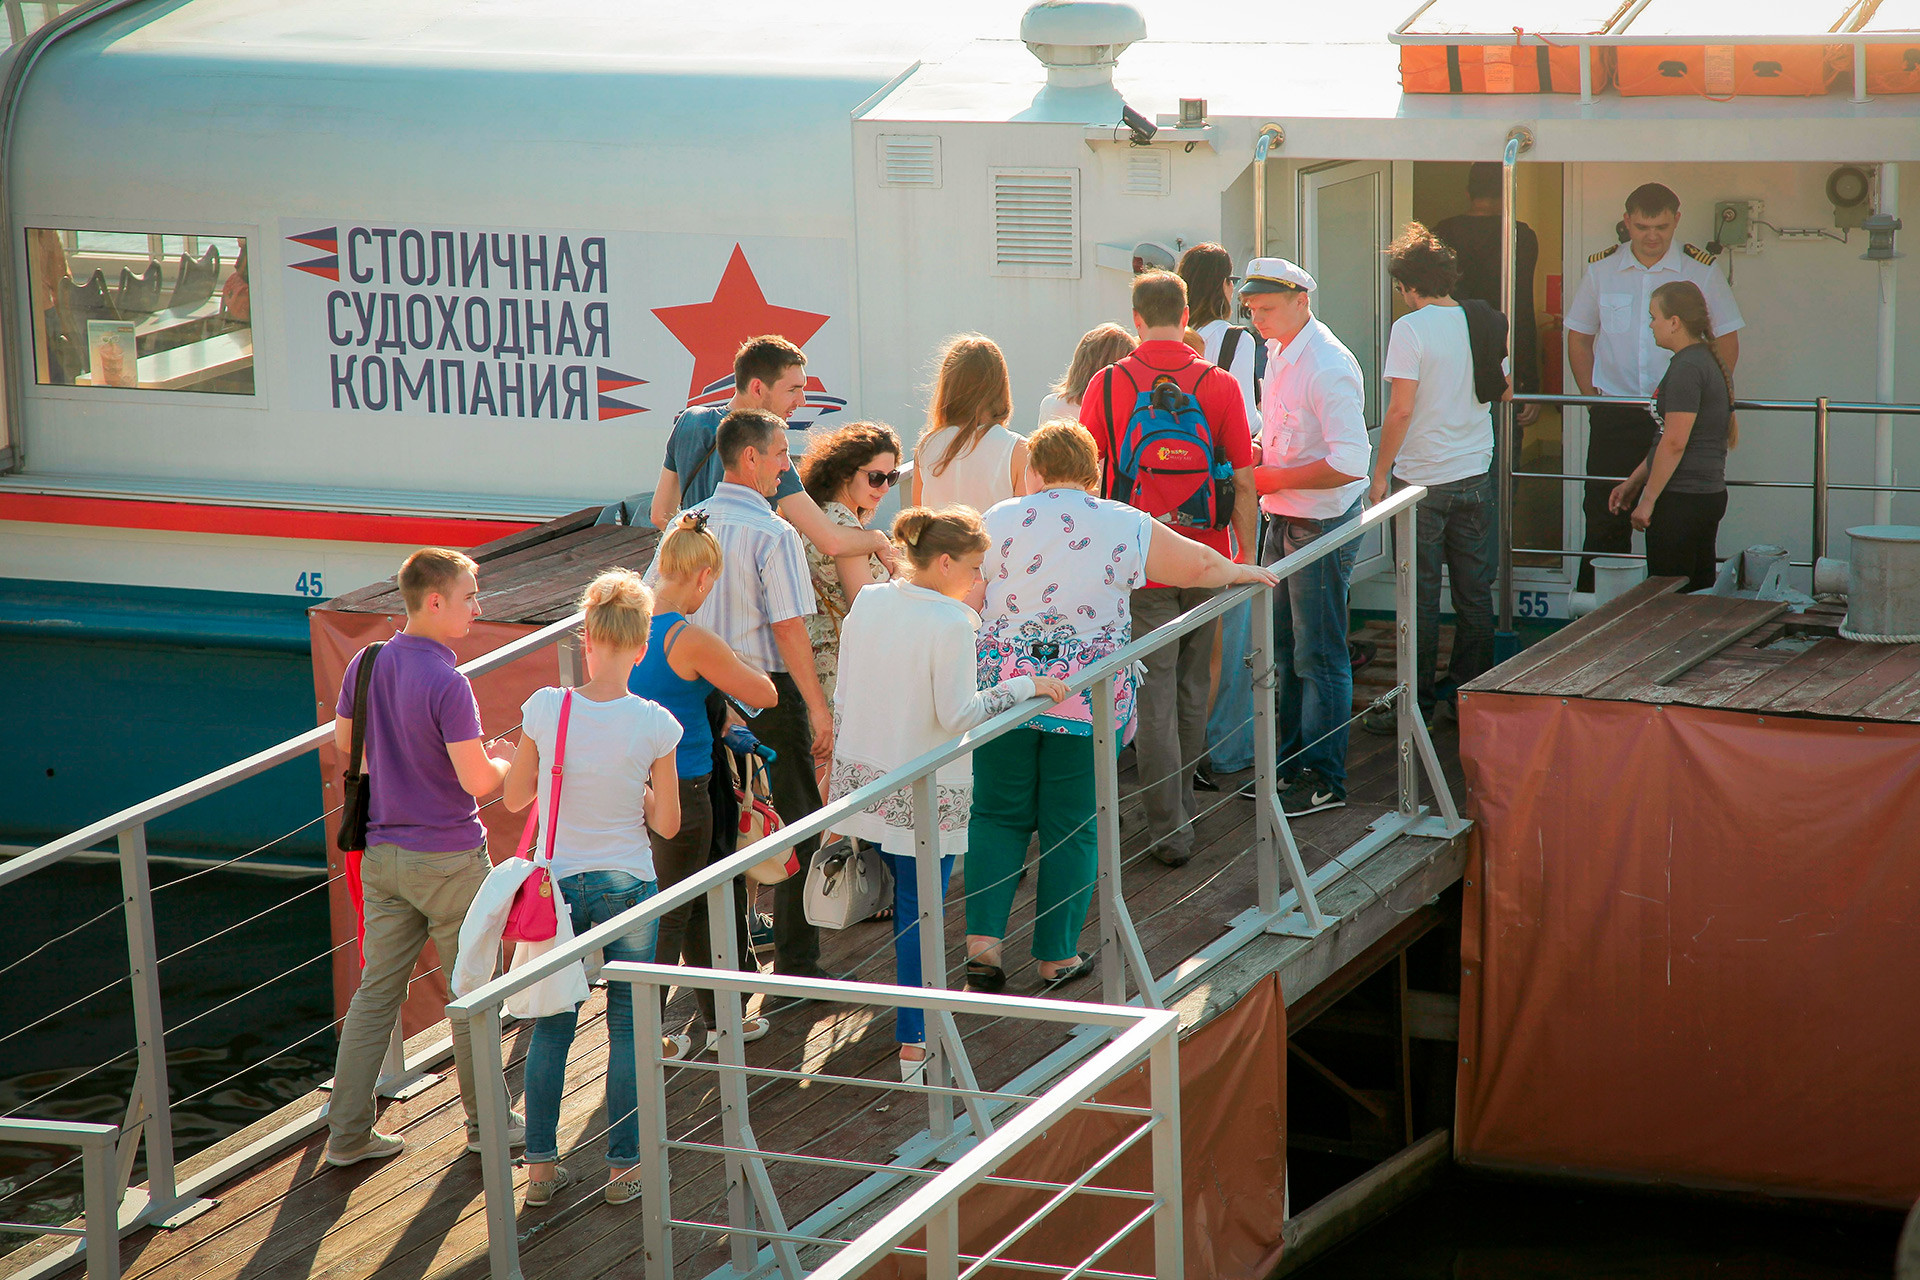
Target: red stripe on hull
<point x="254" y="522"/>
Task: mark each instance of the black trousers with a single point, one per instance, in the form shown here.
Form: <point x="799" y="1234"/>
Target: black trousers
<point x="684" y="934"/>
<point x="796" y="794"/>
<point x="1680" y="537"/>
<point x="1618" y="437"/>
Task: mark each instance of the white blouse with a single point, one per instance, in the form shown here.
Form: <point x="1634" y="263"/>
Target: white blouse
<point x="907" y="686"/>
<point x="978" y="478"/>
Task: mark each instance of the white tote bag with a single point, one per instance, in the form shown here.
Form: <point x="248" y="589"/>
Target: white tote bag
<point x="561" y="992"/>
<point x="847" y="884"/>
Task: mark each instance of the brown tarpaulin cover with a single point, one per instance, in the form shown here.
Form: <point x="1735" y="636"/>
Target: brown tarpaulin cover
<point x="1690" y="946"/>
<point x="1233" y="1107"/>
<point x="336" y="638"/>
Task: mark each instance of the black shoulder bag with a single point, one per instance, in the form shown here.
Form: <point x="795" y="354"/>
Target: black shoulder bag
<point x="353" y="783"/>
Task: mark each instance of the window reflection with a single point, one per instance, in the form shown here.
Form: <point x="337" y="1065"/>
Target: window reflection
<point x="148" y="312"/>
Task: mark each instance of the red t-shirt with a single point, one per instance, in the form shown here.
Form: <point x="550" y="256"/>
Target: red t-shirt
<point x="1211" y="387"/>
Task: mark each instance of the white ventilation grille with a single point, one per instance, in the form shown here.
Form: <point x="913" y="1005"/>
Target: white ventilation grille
<point x="1149" y="172"/>
<point x="909" y="160"/>
<point x="1036" y="222"/>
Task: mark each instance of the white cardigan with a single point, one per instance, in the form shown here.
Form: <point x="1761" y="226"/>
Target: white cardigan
<point x="908" y="683"/>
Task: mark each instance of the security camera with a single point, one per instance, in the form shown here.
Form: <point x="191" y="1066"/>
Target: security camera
<point x="1142" y="128"/>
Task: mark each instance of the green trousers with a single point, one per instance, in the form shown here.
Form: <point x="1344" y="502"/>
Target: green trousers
<point x="1025" y="783"/>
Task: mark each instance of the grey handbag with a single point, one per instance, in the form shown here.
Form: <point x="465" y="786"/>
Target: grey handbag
<point x="846" y="884"/>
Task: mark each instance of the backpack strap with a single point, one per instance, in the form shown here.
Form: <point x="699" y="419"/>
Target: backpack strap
<point x="1113" y="436"/>
<point x="363" y="681"/>
<point x="1229" y="346"/>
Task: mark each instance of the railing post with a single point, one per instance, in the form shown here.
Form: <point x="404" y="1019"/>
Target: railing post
<point x="943" y="1243"/>
<point x="149" y="1025"/>
<point x="482" y="1029"/>
<point x="102" y="1208"/>
<point x="656" y="1205"/>
<point x="1406" y="652"/>
<point x="727" y="1012"/>
<point x="1106" y="822"/>
<point x="1266" y="669"/>
<point x="931" y="936"/>
<point x="572" y="661"/>
<point x="1819" y="543"/>
<point x="1163" y="1083"/>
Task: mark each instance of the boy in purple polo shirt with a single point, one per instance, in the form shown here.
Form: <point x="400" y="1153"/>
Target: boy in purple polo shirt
<point x="426" y="850"/>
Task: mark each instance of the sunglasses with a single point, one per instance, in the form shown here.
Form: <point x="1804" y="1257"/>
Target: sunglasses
<point x="883" y="479"/>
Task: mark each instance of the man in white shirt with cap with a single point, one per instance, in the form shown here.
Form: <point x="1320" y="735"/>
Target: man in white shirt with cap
<point x="1311" y="473"/>
<point x="1611" y="350"/>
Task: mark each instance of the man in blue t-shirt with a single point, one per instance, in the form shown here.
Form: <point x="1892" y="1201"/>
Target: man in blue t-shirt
<point x="769" y="373"/>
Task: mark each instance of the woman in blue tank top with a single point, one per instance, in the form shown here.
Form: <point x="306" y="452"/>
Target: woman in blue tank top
<point x="684" y="664"/>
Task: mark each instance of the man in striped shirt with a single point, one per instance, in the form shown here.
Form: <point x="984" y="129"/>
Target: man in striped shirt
<point x="759" y="607"/>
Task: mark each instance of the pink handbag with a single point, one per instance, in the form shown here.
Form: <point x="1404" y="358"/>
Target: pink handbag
<point x="533" y="917"/>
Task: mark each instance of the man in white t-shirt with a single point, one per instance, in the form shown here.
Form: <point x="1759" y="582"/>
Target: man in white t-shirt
<point x="1438" y="432"/>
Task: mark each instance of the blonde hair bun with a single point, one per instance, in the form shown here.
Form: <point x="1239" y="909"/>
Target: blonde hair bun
<point x="619" y="609"/>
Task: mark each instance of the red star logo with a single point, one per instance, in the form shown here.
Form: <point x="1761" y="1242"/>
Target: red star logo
<point x="713" y="331"/>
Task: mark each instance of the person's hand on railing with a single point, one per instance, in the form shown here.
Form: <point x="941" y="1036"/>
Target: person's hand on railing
<point x="1253" y="573"/>
<point x="1049" y="687"/>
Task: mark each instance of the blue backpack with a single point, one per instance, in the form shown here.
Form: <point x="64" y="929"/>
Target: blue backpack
<point x="1164" y="460"/>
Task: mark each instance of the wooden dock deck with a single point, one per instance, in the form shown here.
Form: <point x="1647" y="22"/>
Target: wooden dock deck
<point x="421" y="1214"/>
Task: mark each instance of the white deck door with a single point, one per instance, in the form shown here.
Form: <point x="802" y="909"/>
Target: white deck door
<point x="1345" y="222"/>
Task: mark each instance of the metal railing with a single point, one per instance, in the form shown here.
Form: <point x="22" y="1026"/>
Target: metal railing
<point x="1122" y="957"/>
<point x="1820" y="408"/>
<point x="166" y="1198"/>
<point x="1287" y="899"/>
<point x="98" y="1143"/>
<point x="1139" y="1036"/>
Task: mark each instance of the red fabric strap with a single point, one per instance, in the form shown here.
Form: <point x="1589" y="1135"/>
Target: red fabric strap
<point x="559" y="759"/>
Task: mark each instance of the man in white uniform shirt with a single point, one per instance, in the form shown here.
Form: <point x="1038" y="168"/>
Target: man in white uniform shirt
<point x="1611" y="350"/>
<point x="1311" y="472"/>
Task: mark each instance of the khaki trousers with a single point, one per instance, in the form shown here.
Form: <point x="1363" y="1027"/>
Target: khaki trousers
<point x="409" y="898"/>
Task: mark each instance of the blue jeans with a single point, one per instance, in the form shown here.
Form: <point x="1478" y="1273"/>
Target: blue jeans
<point x="1314" y="673"/>
<point x="594" y="897"/>
<point x="1457" y="527"/>
<point x="910" y="1025"/>
<point x="1230" y="726"/>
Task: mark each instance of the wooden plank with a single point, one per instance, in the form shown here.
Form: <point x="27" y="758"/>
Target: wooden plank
<point x="1901" y="704"/>
<point x="1532" y="657"/>
<point x="1900" y="669"/>
<point x="1860" y="659"/>
<point x="1756" y="695"/>
<point x="1653" y="674"/>
<point x="581" y="519"/>
<point x="508" y="570"/>
<point x="1584" y="669"/>
<point x="1624" y="631"/>
<point x="560" y="577"/>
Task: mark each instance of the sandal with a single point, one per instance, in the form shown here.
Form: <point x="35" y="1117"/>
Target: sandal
<point x="884" y="913"/>
<point x="751" y="1029"/>
<point x="985" y="978"/>
<point x="541" y="1190"/>
<point x="1080" y="968"/>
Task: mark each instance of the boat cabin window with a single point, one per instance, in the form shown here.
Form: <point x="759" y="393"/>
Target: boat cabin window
<point x="133" y="310"/>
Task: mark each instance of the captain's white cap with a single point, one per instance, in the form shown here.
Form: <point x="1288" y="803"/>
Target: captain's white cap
<point x="1275" y="275"/>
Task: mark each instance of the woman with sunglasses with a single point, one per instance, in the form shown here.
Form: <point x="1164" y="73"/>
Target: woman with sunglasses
<point x="848" y="472"/>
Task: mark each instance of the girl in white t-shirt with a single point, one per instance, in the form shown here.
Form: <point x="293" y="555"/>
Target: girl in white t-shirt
<point x="1099" y="347"/>
<point x="966" y="456"/>
<point x="617" y="780"/>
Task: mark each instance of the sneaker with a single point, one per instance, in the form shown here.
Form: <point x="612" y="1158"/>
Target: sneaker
<point x="621" y="1190"/>
<point x="1246" y="788"/>
<point x="541" y="1192"/>
<point x="1383" y="720"/>
<point x="760" y="933"/>
<point x="375" y="1146"/>
<point x="1310" y="793"/>
<point x="1203" y="781"/>
<point x="516" y="1132"/>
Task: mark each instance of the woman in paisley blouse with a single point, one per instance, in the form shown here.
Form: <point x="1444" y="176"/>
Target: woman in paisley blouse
<point x="848" y="472"/>
<point x="909" y="645"/>
<point x="1060" y="567"/>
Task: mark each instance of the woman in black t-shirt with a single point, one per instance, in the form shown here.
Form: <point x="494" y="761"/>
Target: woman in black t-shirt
<point x="1679" y="493"/>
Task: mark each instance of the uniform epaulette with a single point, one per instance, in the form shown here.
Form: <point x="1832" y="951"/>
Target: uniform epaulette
<point x="1699" y="255"/>
<point x="1604" y="253"/>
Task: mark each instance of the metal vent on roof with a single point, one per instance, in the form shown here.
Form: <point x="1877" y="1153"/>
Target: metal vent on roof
<point x="909" y="160"/>
<point x="1036" y="222"/>
<point x="1149" y="172"/>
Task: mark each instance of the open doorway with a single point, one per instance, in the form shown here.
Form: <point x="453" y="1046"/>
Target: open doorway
<point x="1441" y="192"/>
